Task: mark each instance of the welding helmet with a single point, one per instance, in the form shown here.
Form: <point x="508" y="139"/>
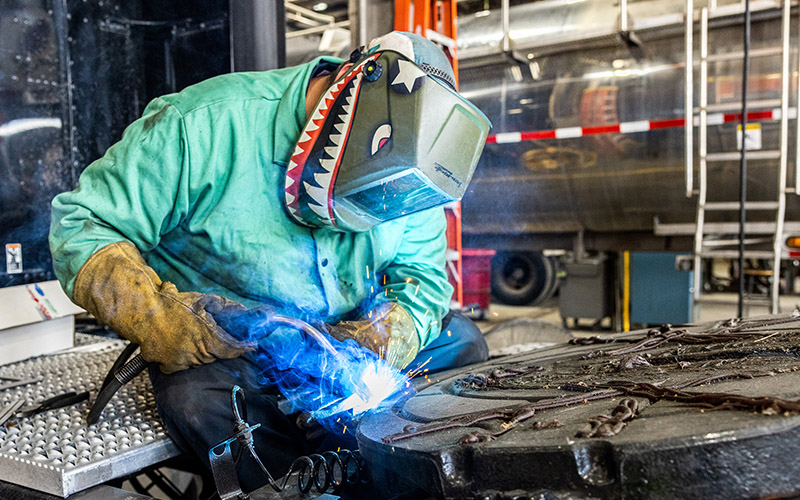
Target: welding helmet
<point x="389" y="138"/>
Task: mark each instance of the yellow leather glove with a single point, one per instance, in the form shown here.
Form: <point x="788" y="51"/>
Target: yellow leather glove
<point x="174" y="329"/>
<point x="388" y="330"/>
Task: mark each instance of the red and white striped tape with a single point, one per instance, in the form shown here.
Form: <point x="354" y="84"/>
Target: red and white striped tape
<point x="632" y="127"/>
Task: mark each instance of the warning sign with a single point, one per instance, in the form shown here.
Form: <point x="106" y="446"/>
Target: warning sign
<point x="13" y="258"/>
<point x="752" y="139"/>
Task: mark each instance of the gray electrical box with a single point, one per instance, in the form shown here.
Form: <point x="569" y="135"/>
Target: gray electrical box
<point x="586" y="289"/>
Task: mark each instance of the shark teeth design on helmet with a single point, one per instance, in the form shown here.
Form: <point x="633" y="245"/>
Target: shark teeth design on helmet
<point x="312" y="169"/>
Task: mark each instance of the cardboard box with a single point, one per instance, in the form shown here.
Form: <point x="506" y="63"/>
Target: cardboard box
<point x="35" y="319"/>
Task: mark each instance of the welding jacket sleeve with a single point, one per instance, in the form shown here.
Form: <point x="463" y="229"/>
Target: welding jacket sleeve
<point x="416" y="278"/>
<point x="135" y="193"/>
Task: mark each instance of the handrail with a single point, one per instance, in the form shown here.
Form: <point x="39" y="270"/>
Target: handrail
<point x="623" y="15"/>
<point x="506" y="14"/>
<point x="697" y="278"/>
<point x="797" y="155"/>
<point x="779" y="218"/>
<point x="689" y="99"/>
<point x="703" y="125"/>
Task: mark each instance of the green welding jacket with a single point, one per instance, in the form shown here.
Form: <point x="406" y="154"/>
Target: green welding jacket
<point x="196" y="184"/>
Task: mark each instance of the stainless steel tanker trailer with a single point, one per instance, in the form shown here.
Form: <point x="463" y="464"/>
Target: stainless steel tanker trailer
<point x="558" y="77"/>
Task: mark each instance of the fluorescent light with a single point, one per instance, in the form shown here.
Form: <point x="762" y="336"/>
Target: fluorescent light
<point x="319" y="7"/>
<point x="20" y="125"/>
<point x="536" y="71"/>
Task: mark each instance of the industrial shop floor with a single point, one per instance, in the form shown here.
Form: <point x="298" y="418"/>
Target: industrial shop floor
<point x="549" y="312"/>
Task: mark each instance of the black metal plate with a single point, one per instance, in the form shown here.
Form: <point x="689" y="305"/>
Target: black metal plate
<point x="669" y="450"/>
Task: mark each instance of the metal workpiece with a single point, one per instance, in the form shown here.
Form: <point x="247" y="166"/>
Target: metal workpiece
<point x="708" y="411"/>
<point x="55" y="451"/>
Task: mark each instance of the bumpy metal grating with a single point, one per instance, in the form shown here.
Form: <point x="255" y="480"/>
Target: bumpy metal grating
<point x="55" y="451"/>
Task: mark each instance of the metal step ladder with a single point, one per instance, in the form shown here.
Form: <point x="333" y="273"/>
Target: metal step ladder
<point x="705" y="247"/>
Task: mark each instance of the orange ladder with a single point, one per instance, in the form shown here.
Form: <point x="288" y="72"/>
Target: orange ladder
<point x="436" y="20"/>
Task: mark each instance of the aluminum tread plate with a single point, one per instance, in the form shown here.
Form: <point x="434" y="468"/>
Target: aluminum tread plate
<point x="55" y="451"/>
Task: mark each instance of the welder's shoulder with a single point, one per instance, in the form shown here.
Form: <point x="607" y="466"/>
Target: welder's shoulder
<point x="431" y="219"/>
<point x="230" y="88"/>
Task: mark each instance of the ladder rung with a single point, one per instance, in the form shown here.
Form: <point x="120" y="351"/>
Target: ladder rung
<point x="723" y="228"/>
<point x="733" y="56"/>
<point x="734" y="254"/>
<point x="769" y="154"/>
<point x="728" y="242"/>
<point x="759" y="301"/>
<point x="735" y="106"/>
<point x="733" y="227"/>
<point x="734" y="205"/>
<point x="766" y="301"/>
<point x="713" y="301"/>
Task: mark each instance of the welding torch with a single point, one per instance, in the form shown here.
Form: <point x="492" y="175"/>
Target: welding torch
<point x="241" y="325"/>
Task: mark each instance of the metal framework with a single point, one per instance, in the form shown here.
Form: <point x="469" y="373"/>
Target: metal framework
<point x="703" y="249"/>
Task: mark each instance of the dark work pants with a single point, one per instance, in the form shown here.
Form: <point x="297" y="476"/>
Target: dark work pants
<point x="195" y="403"/>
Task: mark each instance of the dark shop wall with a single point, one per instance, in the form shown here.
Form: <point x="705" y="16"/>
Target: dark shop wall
<point x="72" y="76"/>
<point x="131" y="52"/>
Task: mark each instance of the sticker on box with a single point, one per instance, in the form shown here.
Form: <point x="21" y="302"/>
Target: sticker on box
<point x="13" y="258"/>
<point x="43" y="304"/>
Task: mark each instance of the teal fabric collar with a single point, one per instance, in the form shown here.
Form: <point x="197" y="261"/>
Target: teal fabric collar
<point x="291" y="113"/>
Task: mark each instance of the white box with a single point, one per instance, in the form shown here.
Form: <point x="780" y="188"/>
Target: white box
<point x="35" y="319"/>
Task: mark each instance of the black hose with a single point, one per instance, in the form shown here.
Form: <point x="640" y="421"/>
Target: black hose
<point x="123" y="371"/>
<point x="120" y="374"/>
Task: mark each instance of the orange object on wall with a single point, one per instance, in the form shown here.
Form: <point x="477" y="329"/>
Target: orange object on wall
<point x="433" y="19"/>
<point x="436" y="20"/>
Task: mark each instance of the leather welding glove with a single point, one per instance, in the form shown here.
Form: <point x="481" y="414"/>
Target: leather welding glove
<point x="387" y="330"/>
<point x="174" y="329"/>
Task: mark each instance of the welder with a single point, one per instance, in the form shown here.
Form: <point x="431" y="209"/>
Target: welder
<point x="317" y="189"/>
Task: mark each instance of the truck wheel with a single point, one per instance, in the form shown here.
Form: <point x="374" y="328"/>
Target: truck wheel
<point x="553" y="283"/>
<point x="522" y="278"/>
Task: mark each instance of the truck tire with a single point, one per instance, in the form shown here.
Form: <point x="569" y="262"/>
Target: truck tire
<point x="554" y="282"/>
<point x="522" y="278"/>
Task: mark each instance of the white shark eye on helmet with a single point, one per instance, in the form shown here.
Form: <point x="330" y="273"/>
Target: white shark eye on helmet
<point x="389" y="138"/>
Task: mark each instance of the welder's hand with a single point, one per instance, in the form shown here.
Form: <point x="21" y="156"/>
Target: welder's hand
<point x="245" y="326"/>
<point x="174" y="329"/>
<point x="388" y="330"/>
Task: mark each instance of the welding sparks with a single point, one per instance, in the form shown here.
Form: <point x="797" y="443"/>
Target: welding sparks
<point x="376" y="383"/>
<point x="334" y="388"/>
<point x="416" y="371"/>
